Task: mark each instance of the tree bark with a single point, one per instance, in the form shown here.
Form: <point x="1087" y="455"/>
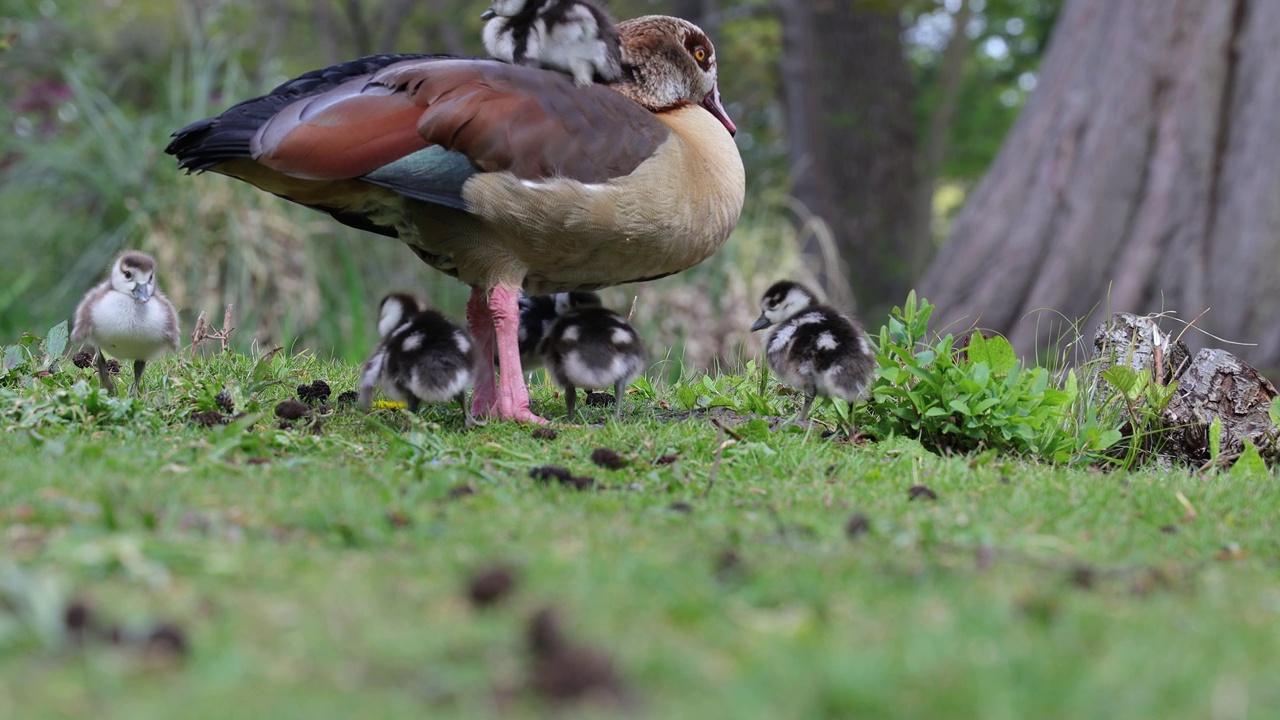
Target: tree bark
<point x="1141" y="176"/>
<point x="852" y="140"/>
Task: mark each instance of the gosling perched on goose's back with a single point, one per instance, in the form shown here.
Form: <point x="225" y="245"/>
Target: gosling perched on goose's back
<point x="422" y="357"/>
<point x="573" y="36"/>
<point x="592" y="347"/>
<point x="127" y="317"/>
<point x="538" y="312"/>
<point x="814" y="348"/>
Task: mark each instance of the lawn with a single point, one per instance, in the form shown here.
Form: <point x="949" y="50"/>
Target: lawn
<point x="151" y="567"/>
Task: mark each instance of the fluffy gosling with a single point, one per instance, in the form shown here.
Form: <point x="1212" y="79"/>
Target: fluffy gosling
<point x="422" y="357"/>
<point x="128" y="317"/>
<point x="592" y="347"/>
<point x="814" y="348"/>
<point x="573" y="36"/>
<point x="537" y="313"/>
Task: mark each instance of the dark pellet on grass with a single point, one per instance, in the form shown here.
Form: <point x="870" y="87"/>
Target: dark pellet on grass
<point x="77" y="619"/>
<point x="291" y="410"/>
<point x="599" y="399"/>
<point x="561" y="671"/>
<point x="920" y="491"/>
<point x="547" y="473"/>
<point x="544" y="433"/>
<point x="608" y="459"/>
<point x="461" y="491"/>
<point x="82" y="359"/>
<point x="167" y="641"/>
<point x="258" y="461"/>
<point x="225" y="403"/>
<point x="728" y="561"/>
<point x="857" y="525"/>
<point x="208" y="418"/>
<point x="491" y="585"/>
<point x="1084" y="577"/>
<point x="1168" y="529"/>
<point x="1004" y="480"/>
<point x="316" y="392"/>
<point x="397" y="519"/>
<point x="681" y="507"/>
<point x="666" y="460"/>
<point x="113" y="366"/>
<point x="349" y="397"/>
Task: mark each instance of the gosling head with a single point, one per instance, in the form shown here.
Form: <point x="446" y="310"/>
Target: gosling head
<point x="567" y="301"/>
<point x="506" y="8"/>
<point x="782" y="300"/>
<point x="134" y="273"/>
<point x="395" y="309"/>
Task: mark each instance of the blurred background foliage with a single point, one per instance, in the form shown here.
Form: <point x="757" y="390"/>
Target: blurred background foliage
<point x="91" y="90"/>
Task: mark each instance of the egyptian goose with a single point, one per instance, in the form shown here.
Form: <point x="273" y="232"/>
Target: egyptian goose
<point x="814" y="348"/>
<point x="128" y="317"/>
<point x="573" y="36"/>
<point x="592" y="347"/>
<point x="421" y="357"/>
<point x="536" y="315"/>
<point x="504" y="176"/>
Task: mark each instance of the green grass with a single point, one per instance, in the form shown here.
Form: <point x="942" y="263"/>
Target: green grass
<point x="329" y="581"/>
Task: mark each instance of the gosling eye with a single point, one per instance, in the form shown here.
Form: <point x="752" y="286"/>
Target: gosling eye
<point x="128" y="275"/>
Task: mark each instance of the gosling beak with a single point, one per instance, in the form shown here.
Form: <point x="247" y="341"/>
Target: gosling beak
<point x="488" y="14"/>
<point x="761" y="323"/>
<point x="142" y="292"/>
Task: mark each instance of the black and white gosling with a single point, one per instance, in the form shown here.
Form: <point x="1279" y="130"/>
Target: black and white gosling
<point x="594" y="348"/>
<point x="537" y="313"/>
<point x="127" y="317"/>
<point x="814" y="348"/>
<point x="422" y="357"/>
<point x="573" y="36"/>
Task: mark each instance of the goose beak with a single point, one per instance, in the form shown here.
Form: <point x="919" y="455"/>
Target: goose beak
<point x="712" y="103"/>
<point x="142" y="292"/>
<point x="488" y="14"/>
<point x="761" y="323"/>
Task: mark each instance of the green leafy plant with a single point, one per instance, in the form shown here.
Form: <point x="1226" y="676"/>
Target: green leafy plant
<point x="965" y="399"/>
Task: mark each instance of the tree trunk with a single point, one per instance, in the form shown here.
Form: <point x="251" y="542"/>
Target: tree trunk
<point x="1141" y="176"/>
<point x="852" y="141"/>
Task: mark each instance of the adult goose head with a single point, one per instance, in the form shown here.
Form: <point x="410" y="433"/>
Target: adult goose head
<point x="504" y="176"/>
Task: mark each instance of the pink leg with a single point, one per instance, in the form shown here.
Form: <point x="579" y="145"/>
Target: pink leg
<point x="480" y="321"/>
<point x="513" y="395"/>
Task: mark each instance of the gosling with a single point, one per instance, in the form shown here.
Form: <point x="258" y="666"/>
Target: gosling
<point x="538" y="312"/>
<point x="814" y="348"/>
<point x="592" y="347"/>
<point x="128" y="317"/>
<point x="572" y="36"/>
<point x="421" y="357"/>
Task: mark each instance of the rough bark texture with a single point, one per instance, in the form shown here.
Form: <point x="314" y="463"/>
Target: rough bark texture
<point x="852" y="139"/>
<point x="1139" y="343"/>
<point x="1218" y="384"/>
<point x="1144" y="174"/>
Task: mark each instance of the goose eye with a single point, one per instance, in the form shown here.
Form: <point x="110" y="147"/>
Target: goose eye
<point x="700" y="55"/>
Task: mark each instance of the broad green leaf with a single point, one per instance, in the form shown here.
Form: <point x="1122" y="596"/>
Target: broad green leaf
<point x="996" y="352"/>
<point x="1122" y="378"/>
<point x="13" y="357"/>
<point x="960" y="407"/>
<point x="1275" y="411"/>
<point x="980" y="373"/>
<point x="1250" y="462"/>
<point x="56" y="341"/>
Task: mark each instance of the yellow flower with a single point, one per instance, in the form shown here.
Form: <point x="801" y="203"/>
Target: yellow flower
<point x="388" y="405"/>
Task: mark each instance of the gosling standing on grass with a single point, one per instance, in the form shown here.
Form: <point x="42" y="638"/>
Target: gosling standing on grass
<point x="422" y="357"/>
<point x="572" y="36"/>
<point x="592" y="347"/>
<point x="127" y="317"/>
<point x="814" y="348"/>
